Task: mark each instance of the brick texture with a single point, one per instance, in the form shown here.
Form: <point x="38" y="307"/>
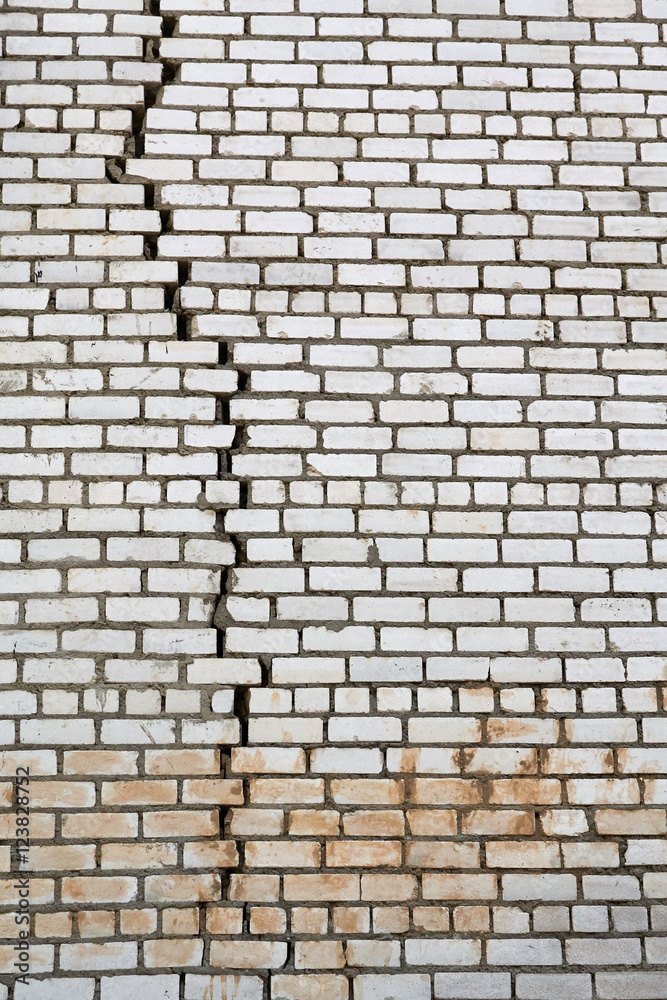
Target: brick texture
<point x="334" y="498"/>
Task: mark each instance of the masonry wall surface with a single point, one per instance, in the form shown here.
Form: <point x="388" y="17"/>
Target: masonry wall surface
<point x="334" y="498"/>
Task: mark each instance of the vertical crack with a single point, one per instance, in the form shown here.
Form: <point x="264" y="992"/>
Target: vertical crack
<point x="242" y="711"/>
<point x="116" y="172"/>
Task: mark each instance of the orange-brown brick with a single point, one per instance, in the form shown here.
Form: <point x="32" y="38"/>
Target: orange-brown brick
<point x="96" y="923"/>
<point x="139" y="922"/>
<point x="528" y="791"/>
<point x="182" y="888"/>
<point x="319" y="955"/>
<point x="374" y="823"/>
<point x="254" y="888"/>
<point x="310" y="919"/>
<point x="210" y="854"/>
<point x="321" y="887"/>
<point x="351" y="920"/>
<point x="138" y="855"/>
<point x="313" y="823"/>
<point x="276" y="791"/>
<point x="367" y="791"/>
<point x="363" y="853"/>
<point x="47" y="925"/>
<point x="220" y="791"/>
<point x="448" y="791"/>
<point x="431" y="918"/>
<point x="646" y="822"/>
<point x="274" y="853"/>
<point x="102" y="826"/>
<point x="467" y="886"/>
<point x="499" y="822"/>
<point x="386" y="887"/>
<point x="471" y="919"/>
<point x="184" y="823"/>
<point x="168" y="763"/>
<point x="248" y="954"/>
<point x="173" y="952"/>
<point x="137" y="793"/>
<point x="432" y="822"/>
<point x="180" y="921"/>
<point x="100" y="762"/>
<point x="267" y="920"/>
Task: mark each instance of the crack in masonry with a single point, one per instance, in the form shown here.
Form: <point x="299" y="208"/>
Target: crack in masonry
<point x="116" y="172"/>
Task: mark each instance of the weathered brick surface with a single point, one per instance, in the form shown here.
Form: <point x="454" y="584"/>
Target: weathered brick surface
<point x="334" y="497"/>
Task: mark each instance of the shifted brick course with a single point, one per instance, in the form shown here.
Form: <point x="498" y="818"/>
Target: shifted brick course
<point x="334" y="498"/>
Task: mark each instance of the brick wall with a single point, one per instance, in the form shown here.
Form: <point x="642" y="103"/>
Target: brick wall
<point x="334" y="498"/>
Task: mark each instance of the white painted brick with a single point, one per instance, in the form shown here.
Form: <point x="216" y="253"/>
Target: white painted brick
<point x="427" y="197"/>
